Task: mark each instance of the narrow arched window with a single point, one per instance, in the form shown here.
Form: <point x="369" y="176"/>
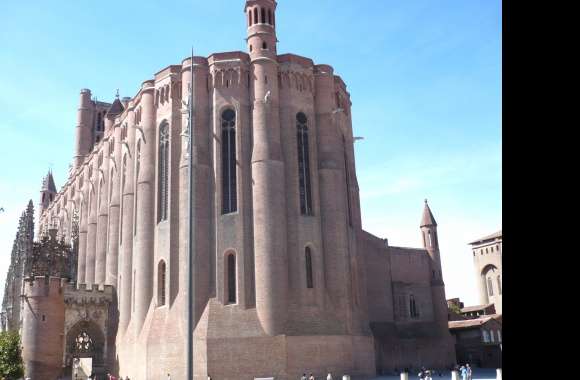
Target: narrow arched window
<point x="137" y="170"/>
<point x="263" y="15"/>
<point x="309" y="277"/>
<point x="250" y="18"/>
<point x="485" y="336"/>
<point x="430" y="239"/>
<point x="270" y="16"/>
<point x="123" y="181"/>
<point x="304" y="183"/>
<point x="490" y="286"/>
<point x="163" y="181"/>
<point x="101" y="194"/>
<point x="110" y="185"/>
<point x="347" y="180"/>
<point x="413" y="307"/>
<point x="133" y="293"/>
<point x="161" y="283"/>
<point x="231" y="272"/>
<point x="229" y="178"/>
<point x="499" y="285"/>
<point x="264" y="46"/>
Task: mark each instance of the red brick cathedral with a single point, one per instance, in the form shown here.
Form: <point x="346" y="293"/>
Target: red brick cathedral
<point x="286" y="280"/>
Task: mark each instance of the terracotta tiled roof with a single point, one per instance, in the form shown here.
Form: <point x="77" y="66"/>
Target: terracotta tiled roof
<point x="489" y="237"/>
<point x="428" y="218"/>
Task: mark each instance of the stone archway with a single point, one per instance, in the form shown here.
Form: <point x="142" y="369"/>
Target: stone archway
<point x="85" y="340"/>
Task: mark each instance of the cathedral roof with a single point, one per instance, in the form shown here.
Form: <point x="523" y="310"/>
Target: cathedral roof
<point x="48" y="183"/>
<point x="428" y="218"/>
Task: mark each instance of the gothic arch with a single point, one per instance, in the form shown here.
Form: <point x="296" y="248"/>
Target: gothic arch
<point x="85" y="340"/>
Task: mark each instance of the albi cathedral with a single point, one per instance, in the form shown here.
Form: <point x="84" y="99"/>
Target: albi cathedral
<point x="286" y="280"/>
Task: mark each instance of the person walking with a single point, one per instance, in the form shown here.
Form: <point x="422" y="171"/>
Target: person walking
<point x="463" y="372"/>
<point x="329" y="376"/>
<point x="168" y="376"/>
<point x="422" y="374"/>
<point x="311" y="377"/>
<point x="469" y="371"/>
<point x="303" y="377"/>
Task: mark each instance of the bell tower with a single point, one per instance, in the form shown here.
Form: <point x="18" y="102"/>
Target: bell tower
<point x="431" y="245"/>
<point x="261" y="21"/>
<point x="268" y="191"/>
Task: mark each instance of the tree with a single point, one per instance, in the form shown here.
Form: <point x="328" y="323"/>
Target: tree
<point x="454" y="308"/>
<point x="11" y="365"/>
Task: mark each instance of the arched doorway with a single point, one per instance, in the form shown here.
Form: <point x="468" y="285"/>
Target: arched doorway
<point x="85" y="347"/>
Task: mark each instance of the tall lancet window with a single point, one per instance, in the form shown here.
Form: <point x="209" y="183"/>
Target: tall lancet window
<point x="163" y="193"/>
<point x="347" y="179"/>
<point x="231" y="272"/>
<point x="309" y="277"/>
<point x="229" y="192"/>
<point x="123" y="181"/>
<point x="137" y="169"/>
<point x="490" y="286"/>
<point x="413" y="307"/>
<point x="304" y="165"/>
<point x="161" y="283"/>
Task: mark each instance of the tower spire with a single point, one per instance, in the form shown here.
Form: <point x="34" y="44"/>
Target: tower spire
<point x="428" y="219"/>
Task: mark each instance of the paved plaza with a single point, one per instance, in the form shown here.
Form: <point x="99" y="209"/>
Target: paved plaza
<point x="478" y="374"/>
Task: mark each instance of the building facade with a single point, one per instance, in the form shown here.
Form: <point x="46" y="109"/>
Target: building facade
<point x="487" y="259"/>
<point x="479" y="341"/>
<point x="286" y="281"/>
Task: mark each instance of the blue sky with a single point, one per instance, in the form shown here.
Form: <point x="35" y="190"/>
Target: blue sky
<point x="424" y="78"/>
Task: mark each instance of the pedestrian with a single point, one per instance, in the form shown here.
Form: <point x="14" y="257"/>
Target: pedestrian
<point x="469" y="372"/>
<point x="168" y="376"/>
<point x="303" y="377"/>
<point x="428" y="375"/>
<point x="311" y="377"/>
<point x="208" y="377"/>
<point x="463" y="372"/>
<point x="329" y="376"/>
<point x="422" y="374"/>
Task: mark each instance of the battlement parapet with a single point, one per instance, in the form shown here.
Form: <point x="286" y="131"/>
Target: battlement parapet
<point x="83" y="295"/>
<point x="43" y="286"/>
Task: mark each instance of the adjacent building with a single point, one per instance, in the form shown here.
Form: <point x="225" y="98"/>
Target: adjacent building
<point x="478" y="341"/>
<point x="487" y="258"/>
<point x="477" y="329"/>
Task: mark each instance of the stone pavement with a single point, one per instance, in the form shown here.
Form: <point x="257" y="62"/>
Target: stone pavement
<point x="478" y="374"/>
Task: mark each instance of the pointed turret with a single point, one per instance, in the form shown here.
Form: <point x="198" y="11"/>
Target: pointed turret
<point x="431" y="245"/>
<point x="428" y="218"/>
<point x="116" y="108"/>
<point x="47" y="192"/>
<point x="429" y="232"/>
